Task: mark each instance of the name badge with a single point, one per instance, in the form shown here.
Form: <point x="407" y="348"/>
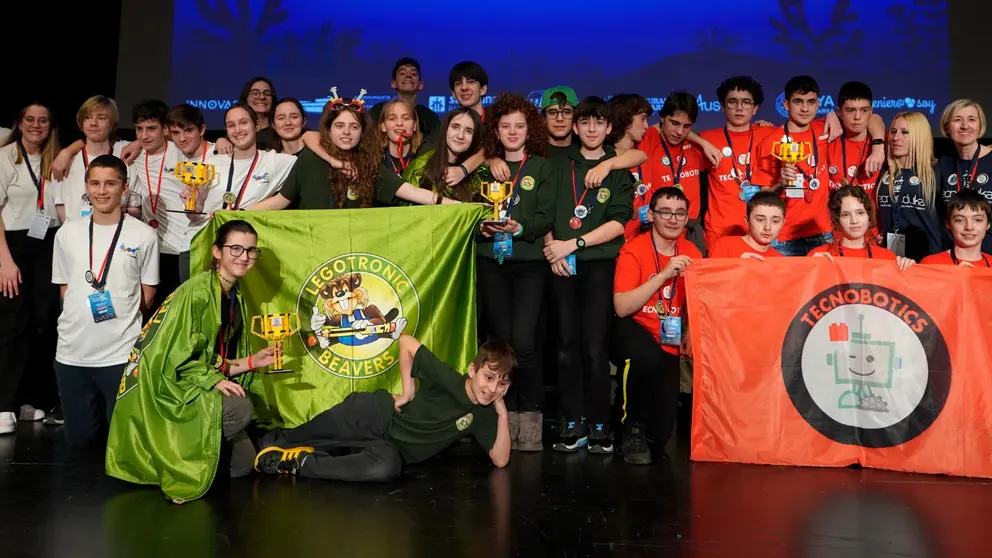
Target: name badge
<point x="671" y="330"/>
<point x="642" y="213"/>
<point x="749" y="192"/>
<point x="794" y="193"/>
<point x="503" y="245"/>
<point x="39" y="226"/>
<point x="570" y="260"/>
<point x="896" y="242"/>
<point x="101" y="306"/>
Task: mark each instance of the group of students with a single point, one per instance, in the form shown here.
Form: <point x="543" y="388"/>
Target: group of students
<point x="606" y="212"/>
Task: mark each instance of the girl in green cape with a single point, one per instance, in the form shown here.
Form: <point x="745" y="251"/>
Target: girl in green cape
<point x="461" y="139"/>
<point x="184" y="388"/>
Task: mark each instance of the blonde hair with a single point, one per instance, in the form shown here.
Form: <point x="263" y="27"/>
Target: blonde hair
<point x="953" y="108"/>
<point x="417" y="137"/>
<point x="49" y="150"/>
<point x="95" y="103"/>
<point x="920" y="157"/>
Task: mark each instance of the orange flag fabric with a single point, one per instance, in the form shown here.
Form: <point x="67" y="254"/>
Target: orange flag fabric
<point x="803" y="361"/>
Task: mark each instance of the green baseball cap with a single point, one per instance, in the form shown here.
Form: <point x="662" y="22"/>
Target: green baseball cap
<point x="568" y="92"/>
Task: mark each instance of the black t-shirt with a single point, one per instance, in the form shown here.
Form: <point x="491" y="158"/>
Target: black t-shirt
<point x="955" y="174"/>
<point x="230" y="327"/>
<point x="266" y="139"/>
<point x="307" y="186"/>
<point x="429" y="122"/>
<point x="903" y="209"/>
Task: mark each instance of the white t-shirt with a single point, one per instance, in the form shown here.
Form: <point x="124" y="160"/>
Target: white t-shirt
<point x="71" y="191"/>
<point x="171" y="226"/>
<point x="83" y="342"/>
<point x="18" y="193"/>
<point x="267" y="178"/>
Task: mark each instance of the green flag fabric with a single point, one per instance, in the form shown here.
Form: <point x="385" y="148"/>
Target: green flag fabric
<point x="356" y="279"/>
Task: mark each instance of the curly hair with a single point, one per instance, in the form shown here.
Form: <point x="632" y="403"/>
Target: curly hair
<point x="834" y="204"/>
<point x="366" y="157"/>
<point x="508" y="103"/>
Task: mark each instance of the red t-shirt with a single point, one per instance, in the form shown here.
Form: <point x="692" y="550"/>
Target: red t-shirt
<point x="853" y="167"/>
<point x="726" y="211"/>
<point x="806" y="216"/>
<point x="735" y="247"/>
<point x="877" y="252"/>
<point x="637" y="262"/>
<point x="656" y="174"/>
<point x="944" y="258"/>
<point x="651" y="140"/>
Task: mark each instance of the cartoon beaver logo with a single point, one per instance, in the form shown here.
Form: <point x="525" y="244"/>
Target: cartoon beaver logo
<point x="349" y="318"/>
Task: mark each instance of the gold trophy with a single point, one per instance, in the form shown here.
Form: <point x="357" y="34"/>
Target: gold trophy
<point x="791" y="152"/>
<point x="497" y="193"/>
<point x="276" y="328"/>
<point x="194" y="176"/>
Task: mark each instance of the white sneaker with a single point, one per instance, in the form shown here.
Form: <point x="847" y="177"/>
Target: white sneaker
<point x="29" y="413"/>
<point x="8" y="423"/>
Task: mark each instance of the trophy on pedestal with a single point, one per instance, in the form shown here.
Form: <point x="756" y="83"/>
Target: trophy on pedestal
<point x="791" y="152"/>
<point x="496" y="193"/>
<point x="275" y="328"/>
<point x="194" y="176"/>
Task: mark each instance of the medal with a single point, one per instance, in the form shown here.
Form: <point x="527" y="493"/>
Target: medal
<point x="642" y="189"/>
<point x="843" y="182"/>
<point x="581" y="211"/>
<point x="679" y="186"/>
<point x="230" y="198"/>
<point x="153" y="223"/>
<point x="660" y="307"/>
<point x="88" y="276"/>
<point x="666" y="161"/>
<point x="814" y="183"/>
<point x="575" y="223"/>
<point x="86" y="199"/>
<point x="832" y="169"/>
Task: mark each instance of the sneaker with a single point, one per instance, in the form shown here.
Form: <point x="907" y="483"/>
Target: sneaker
<point x="30" y="414"/>
<point x="8" y="423"/>
<point x="54" y="417"/>
<point x="514" y="419"/>
<point x="531" y="425"/>
<point x="275" y="460"/>
<point x="572" y="437"/>
<point x="635" y="446"/>
<point x="600" y="439"/>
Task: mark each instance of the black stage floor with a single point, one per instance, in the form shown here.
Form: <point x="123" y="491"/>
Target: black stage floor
<point x="59" y="503"/>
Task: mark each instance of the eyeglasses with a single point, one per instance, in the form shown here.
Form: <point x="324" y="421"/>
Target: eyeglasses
<point x="743" y="103"/>
<point x="237" y="250"/>
<point x="667" y="214"/>
<point x="553" y="114"/>
<point x="256" y="93"/>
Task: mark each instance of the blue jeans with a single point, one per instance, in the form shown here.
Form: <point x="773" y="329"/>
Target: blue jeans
<point x="802" y="246"/>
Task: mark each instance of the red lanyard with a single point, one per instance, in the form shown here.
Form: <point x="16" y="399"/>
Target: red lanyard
<point x="204" y="158"/>
<point x="244" y="185"/>
<point x="575" y="195"/>
<point x="516" y="177"/>
<point x="861" y="161"/>
<point x="86" y="159"/>
<point x="158" y="188"/>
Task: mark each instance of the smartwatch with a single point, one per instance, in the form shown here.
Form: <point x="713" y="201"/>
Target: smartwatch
<point x="580" y="243"/>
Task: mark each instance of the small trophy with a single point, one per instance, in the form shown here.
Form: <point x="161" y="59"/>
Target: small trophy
<point x="790" y="152"/>
<point x="497" y="193"/>
<point x="193" y="175"/>
<point x="276" y="328"/>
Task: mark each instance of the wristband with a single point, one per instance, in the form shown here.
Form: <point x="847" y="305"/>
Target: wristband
<point x="464" y="170"/>
<point x="250" y="367"/>
<point x="521" y="231"/>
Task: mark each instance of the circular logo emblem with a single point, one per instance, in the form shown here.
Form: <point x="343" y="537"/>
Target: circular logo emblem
<point x="952" y="180"/>
<point x="666" y="292"/>
<point x="352" y="195"/>
<point x="603" y="195"/>
<point x="780" y="105"/>
<point x="864" y="365"/>
<point x="914" y="180"/>
<point x="358" y="305"/>
<point x="982" y="178"/>
<point x="744" y="158"/>
<point x="885" y="179"/>
<point x="832" y="169"/>
<point x="727" y="152"/>
<point x="527" y="183"/>
<point x="852" y="170"/>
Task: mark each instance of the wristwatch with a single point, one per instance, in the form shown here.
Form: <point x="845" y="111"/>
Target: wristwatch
<point x="878" y="141"/>
<point x="580" y="243"/>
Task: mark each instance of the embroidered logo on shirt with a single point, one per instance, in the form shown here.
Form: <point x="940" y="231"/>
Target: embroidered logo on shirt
<point x="133" y="252"/>
<point x="262" y="178"/>
<point x="603" y="195"/>
<point x="464" y="422"/>
<point x="527" y="183"/>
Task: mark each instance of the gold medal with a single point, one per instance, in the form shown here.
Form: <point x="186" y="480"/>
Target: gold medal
<point x="660" y="308"/>
<point x="230" y="198"/>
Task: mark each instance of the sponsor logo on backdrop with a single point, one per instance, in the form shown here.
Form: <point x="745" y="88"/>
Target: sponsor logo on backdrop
<point x="865" y="365"/>
<point x="827" y="104"/>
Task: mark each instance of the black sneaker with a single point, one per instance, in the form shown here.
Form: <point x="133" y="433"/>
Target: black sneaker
<point x="600" y="439"/>
<point x="54" y="417"/>
<point x="572" y="437"/>
<point x="275" y="460"/>
<point x="635" y="446"/>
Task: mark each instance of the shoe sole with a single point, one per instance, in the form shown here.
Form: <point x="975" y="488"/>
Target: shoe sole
<point x="269" y="449"/>
<point x="600" y="450"/>
<point x="570" y="449"/>
<point x="530" y="446"/>
<point x="637" y="460"/>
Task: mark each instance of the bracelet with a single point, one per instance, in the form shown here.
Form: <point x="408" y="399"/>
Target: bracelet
<point x="464" y="170"/>
<point x="249" y="363"/>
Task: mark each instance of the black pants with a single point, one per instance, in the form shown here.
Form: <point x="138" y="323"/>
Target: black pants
<point x="585" y="311"/>
<point x="27" y="327"/>
<point x="512" y="297"/>
<point x="649" y="380"/>
<point x="349" y="440"/>
<point x="88" y="396"/>
<point x="168" y="274"/>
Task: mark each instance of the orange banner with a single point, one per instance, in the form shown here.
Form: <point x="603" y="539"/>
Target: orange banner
<point x="805" y="362"/>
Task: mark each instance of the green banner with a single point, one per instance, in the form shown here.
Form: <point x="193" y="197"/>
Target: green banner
<point x="355" y="279"/>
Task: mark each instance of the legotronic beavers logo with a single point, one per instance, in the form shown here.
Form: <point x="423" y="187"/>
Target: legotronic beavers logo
<point x="865" y="365"/>
<point x="358" y="306"/>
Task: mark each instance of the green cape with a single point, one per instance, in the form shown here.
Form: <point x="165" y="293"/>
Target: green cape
<point x="166" y="428"/>
<point x="414" y="174"/>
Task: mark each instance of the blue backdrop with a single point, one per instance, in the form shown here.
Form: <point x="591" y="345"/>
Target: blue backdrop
<point x="898" y="47"/>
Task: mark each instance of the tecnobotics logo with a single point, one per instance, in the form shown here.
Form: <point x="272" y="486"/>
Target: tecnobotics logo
<point x="359" y="305"/>
<point x="865" y="365"/>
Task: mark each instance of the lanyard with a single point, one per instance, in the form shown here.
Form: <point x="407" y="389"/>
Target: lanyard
<point x="158" y="188"/>
<point x="816" y="154"/>
<point x="99" y="280"/>
<point x="840" y="250"/>
<point x="894" y="192"/>
<point x="222" y="333"/>
<point x="666" y="304"/>
<point x="733" y="156"/>
<point x="235" y="204"/>
<point x="404" y="161"/>
<point x="671" y="164"/>
<point x="575" y="194"/>
<point x="974" y="170"/>
<point x="516" y="177"/>
<point x="40" y="185"/>
<point x="861" y="160"/>
<point x="86" y="158"/>
<point x="954" y="258"/>
<point x="203" y="159"/>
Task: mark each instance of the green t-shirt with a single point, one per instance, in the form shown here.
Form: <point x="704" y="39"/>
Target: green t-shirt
<point x="613" y="201"/>
<point x="307" y="186"/>
<point x="534" y="210"/>
<point x="440" y="414"/>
